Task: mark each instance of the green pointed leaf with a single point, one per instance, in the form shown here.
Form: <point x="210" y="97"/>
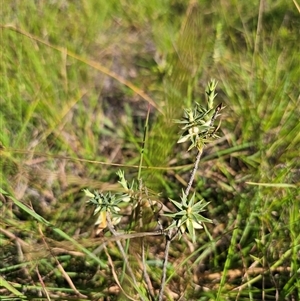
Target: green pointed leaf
<point x="177" y="204"/>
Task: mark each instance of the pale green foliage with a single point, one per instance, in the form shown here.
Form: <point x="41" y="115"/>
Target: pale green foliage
<point x="187" y="217"/>
<point x="122" y="180"/>
<point x="109" y="204"/>
<point x="106" y="204"/>
<point x="198" y="123"/>
<point x="198" y="128"/>
<point x="211" y="93"/>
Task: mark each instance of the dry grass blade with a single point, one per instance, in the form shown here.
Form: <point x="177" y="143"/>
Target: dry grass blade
<point x="60" y="267"/>
<point x="91" y="63"/>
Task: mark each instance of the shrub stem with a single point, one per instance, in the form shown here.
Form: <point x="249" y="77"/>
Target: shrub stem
<point x="193" y="173"/>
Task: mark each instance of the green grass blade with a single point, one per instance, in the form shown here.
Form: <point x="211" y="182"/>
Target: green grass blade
<point x="9" y="287"/>
<point x="54" y="229"/>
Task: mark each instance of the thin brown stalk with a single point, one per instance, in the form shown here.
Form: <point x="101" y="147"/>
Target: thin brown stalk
<point x="145" y="273"/>
<point x="115" y="274"/>
<point x="60" y="267"/>
<point x="164" y="272"/>
<point x="42" y="284"/>
<point x="121" y="249"/>
<point x="193" y="173"/>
